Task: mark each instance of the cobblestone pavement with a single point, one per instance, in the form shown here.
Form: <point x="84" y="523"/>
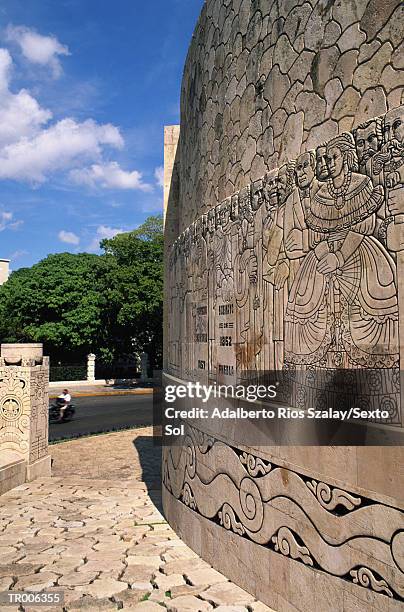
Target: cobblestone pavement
<point x="102" y="539"/>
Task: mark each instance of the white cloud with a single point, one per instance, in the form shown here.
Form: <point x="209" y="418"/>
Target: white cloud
<point x="38" y="49"/>
<point x="6" y="221"/>
<point x="57" y="147"/>
<point x="103" y="231"/>
<point x="68" y="237"/>
<point x="17" y="254"/>
<point x="159" y="176"/>
<point x="109" y="176"/>
<point x="32" y="147"/>
<point x="20" y="114"/>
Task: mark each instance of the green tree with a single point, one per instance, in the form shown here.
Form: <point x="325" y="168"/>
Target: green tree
<point x="58" y="301"/>
<point x="109" y="304"/>
<point x="135" y="288"/>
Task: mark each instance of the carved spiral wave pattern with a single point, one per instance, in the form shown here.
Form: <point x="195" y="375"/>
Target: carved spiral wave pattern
<point x="261" y="507"/>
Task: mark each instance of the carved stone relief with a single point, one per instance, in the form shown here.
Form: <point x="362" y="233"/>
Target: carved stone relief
<point x="24" y="408"/>
<point x="299" y="268"/>
<point x="329" y="529"/>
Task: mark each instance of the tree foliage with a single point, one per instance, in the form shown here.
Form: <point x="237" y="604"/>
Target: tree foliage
<point x="109" y="304"/>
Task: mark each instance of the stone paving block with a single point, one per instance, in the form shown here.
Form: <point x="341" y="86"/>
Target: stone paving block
<point x="131" y="597"/>
<point x="93" y="604"/>
<point x="148" y="606"/>
<point x="182" y="565"/>
<point x="160" y="596"/>
<point x="6" y="583"/>
<point x="18" y="569"/>
<point x="187" y="589"/>
<point x="12" y="557"/>
<point x="189" y="603"/>
<point x="177" y="554"/>
<point x="104" y="587"/>
<point x="227" y="594"/>
<point x="138" y="574"/>
<point x="94" y="555"/>
<point x="36" y="582"/>
<point x="102" y="565"/>
<point x="165" y="583"/>
<point x="204" y="576"/>
<point x="5" y="550"/>
<point x="63" y="566"/>
<point x="77" y="578"/>
<point x="149" y="560"/>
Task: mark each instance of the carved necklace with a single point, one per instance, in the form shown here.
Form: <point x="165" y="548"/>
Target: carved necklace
<point x="339" y="192"/>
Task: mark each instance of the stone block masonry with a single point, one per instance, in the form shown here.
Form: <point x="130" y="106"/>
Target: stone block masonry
<point x="284" y="250"/>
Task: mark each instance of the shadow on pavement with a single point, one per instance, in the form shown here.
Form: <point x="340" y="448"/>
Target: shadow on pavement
<point x="150" y="461"/>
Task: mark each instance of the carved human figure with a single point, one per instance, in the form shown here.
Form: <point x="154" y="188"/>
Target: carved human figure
<point x="342" y="308"/>
<point x="393" y="129"/>
<point x="199" y="262"/>
<point x="246" y="287"/>
<point x="199" y="256"/>
<point x="223" y="252"/>
<point x="368" y="140"/>
<point x="296" y="233"/>
<point x="390" y="163"/>
<point x="322" y="172"/>
<point x="275" y="267"/>
<point x="185" y="300"/>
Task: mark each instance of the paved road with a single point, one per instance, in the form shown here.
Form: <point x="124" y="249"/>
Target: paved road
<point x="98" y="414"/>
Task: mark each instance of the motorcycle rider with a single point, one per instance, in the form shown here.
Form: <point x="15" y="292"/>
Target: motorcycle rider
<point x="63" y="401"/>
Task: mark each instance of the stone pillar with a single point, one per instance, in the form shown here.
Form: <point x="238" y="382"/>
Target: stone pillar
<point x="91" y="367"/>
<point x="144" y="366"/>
<point x="24" y="380"/>
<point x="171" y="137"/>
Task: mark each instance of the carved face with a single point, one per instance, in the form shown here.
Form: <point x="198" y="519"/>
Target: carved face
<point x="234" y="207"/>
<point x="245" y="205"/>
<point x="335" y="161"/>
<point x="224" y="214"/>
<point x="394" y="125"/>
<point x="211" y="221"/>
<point x="366" y="142"/>
<point x="304" y="171"/>
<point x="283" y="187"/>
<point x="321" y="164"/>
<point x="271" y="190"/>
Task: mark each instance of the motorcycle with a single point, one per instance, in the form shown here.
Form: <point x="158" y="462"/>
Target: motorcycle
<point x="54" y="413"/>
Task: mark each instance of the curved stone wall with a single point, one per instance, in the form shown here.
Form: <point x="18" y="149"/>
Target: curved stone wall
<point x="265" y="80"/>
<point x="285" y="242"/>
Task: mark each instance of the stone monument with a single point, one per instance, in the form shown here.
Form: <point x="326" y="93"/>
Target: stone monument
<point x="285" y="252"/>
<point x="24" y="378"/>
<point x="91" y="367"/>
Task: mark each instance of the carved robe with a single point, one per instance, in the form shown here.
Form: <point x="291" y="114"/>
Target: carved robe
<point x="348" y="317"/>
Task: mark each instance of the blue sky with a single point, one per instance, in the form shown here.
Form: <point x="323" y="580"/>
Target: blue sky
<point x="86" y="87"/>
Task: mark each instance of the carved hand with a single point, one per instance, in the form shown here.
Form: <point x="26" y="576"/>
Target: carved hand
<point x="294" y="240"/>
<point x="396" y="201"/>
<point x="329" y="263"/>
<point x="393" y="179"/>
<point x="281" y="274"/>
<point x="253" y="269"/>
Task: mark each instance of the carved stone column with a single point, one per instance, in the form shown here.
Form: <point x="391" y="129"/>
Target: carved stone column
<point x="91" y="367"/>
<point x="24" y="379"/>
